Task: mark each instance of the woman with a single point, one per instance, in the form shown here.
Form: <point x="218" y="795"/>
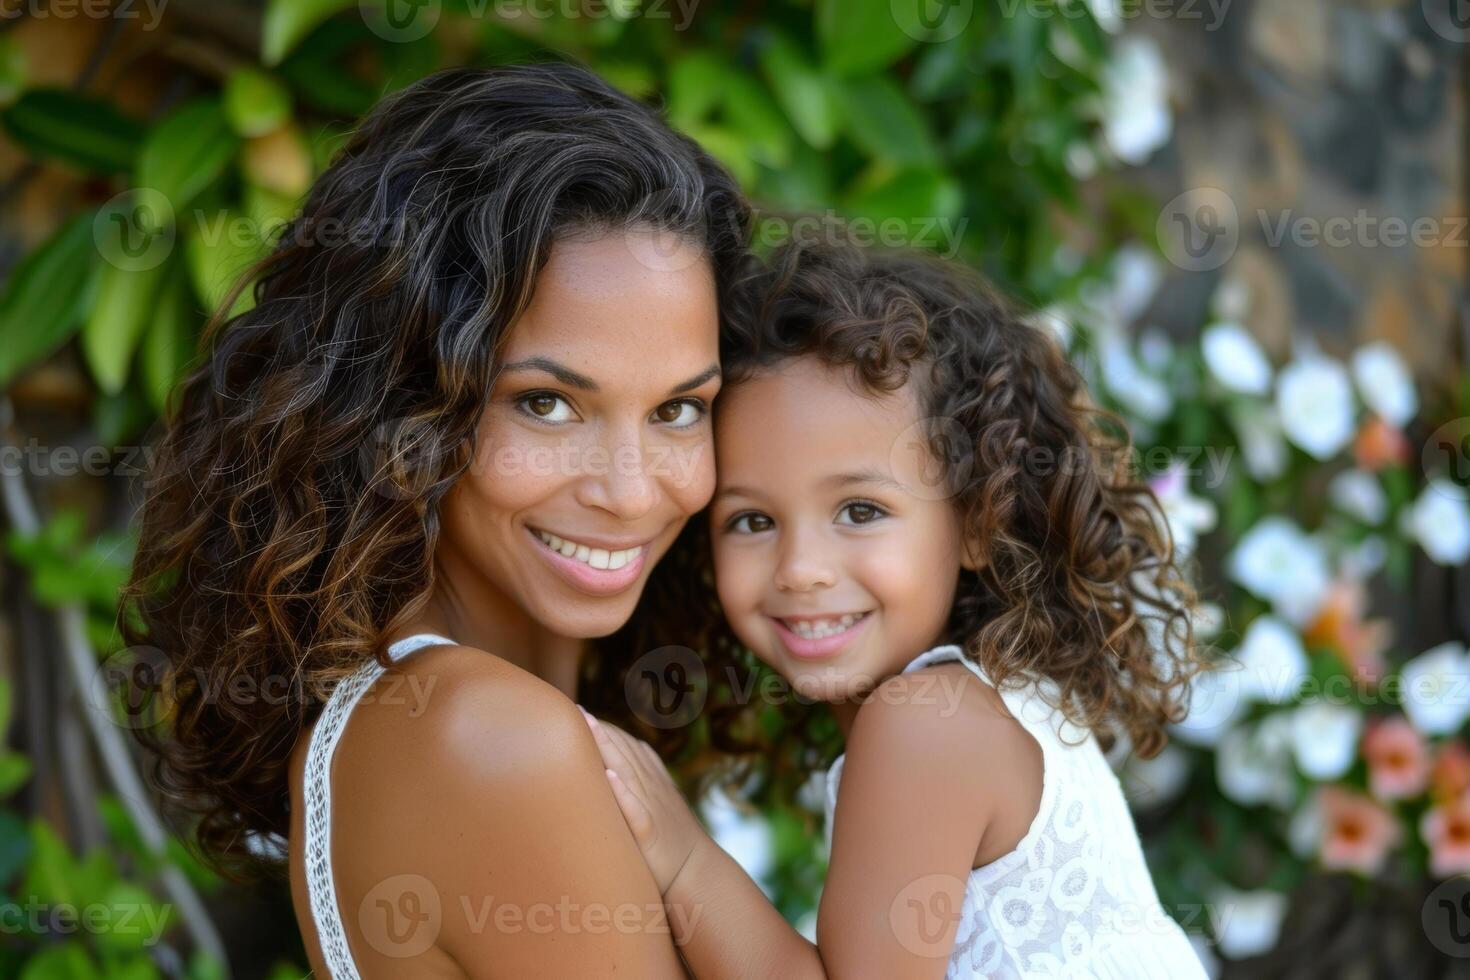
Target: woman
<point x="465" y="419"/>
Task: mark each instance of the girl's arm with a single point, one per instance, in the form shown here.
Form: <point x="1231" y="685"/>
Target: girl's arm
<point x="919" y="787"/>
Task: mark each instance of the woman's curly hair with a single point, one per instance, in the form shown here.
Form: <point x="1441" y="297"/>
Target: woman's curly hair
<point x="291" y="518"/>
<point x="1077" y="580"/>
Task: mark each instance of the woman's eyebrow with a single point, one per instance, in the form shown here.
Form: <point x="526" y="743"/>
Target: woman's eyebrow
<point x="713" y="371"/>
<point x="560" y="372"/>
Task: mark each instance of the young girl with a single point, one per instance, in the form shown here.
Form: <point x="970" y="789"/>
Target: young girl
<point x="917" y="520"/>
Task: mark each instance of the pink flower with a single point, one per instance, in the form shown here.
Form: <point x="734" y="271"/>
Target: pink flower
<point x="1398" y="759"/>
<point x="1341" y="626"/>
<point x="1357" y="832"/>
<point x="1446" y="829"/>
<point x="1450" y="777"/>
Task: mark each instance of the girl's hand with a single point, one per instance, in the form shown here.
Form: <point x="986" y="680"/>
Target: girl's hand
<point x="666" y="830"/>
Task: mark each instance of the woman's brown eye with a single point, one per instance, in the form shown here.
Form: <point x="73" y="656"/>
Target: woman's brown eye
<point x="541" y="404"/>
<point x="669" y="412"/>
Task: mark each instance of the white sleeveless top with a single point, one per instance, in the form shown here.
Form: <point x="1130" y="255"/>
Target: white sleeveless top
<point x="317" y="796"/>
<point x="1074" y="898"/>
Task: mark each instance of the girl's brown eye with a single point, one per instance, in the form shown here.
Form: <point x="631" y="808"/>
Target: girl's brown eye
<point x="670" y="412"/>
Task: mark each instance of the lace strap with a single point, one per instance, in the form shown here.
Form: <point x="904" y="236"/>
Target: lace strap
<point x="317" y="796"/>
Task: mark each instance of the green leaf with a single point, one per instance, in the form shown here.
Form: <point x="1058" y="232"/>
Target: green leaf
<point x="66" y="962"/>
<point x="88" y="133"/>
<point x="882" y="121"/>
<point x="13" y="70"/>
<point x="15" y="769"/>
<point x="169" y="343"/>
<point x="120" y="312"/>
<point x="15" y="845"/>
<point x="804" y="93"/>
<point x="695" y="86"/>
<point x="136" y="921"/>
<point x="912" y="194"/>
<point x="727" y="147"/>
<point x="187" y="151"/>
<point x="255" y="102"/>
<point x="6" y="702"/>
<point x="218" y="253"/>
<point x="41" y="306"/>
<point x="287" y="22"/>
<point x="752" y="112"/>
<point x="860" y="35"/>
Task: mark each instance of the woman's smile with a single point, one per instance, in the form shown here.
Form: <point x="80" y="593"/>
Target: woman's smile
<point x="590" y="566"/>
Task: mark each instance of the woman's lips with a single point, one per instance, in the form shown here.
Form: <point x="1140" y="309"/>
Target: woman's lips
<point x="578" y="568"/>
<point x="820" y="647"/>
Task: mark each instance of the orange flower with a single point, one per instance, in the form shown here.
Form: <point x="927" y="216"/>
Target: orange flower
<point x="1357" y="832"/>
<point x="1446" y="829"/>
<point x="1341" y="628"/>
<point x="1379" y="444"/>
<point x="1449" y="779"/>
<point x="1398" y="759"/>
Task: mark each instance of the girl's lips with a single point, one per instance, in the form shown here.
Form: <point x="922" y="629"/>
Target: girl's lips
<point x="820" y="648"/>
<point x="584" y="578"/>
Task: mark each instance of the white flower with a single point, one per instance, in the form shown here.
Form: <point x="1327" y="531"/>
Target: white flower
<point x="1249" y="922"/>
<point x="1361" y="561"/>
<point x="1215" y="705"/>
<point x="1136" y="274"/>
<point x="1108" y="14"/>
<point x="1054" y="321"/>
<point x="1359" y="494"/>
<point x="1273" y="659"/>
<point x="1136" y="115"/>
<point x="1385" y="383"/>
<point x="1253" y="763"/>
<point x="1235" y="359"/>
<point x="1140" y="393"/>
<point x="1304" y="831"/>
<point x="1209" y="619"/>
<point x="1155" y="350"/>
<point x="1283" y="564"/>
<point x="1151" y="783"/>
<point x="1436" y="689"/>
<point x="745" y="836"/>
<point x="1188" y="516"/>
<point x="1315" y="404"/>
<point x="1324" y="739"/>
<point x="1440" y="522"/>
<point x="1261" y="440"/>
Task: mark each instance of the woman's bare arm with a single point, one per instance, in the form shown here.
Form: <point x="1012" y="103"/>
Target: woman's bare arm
<point x="471" y="803"/>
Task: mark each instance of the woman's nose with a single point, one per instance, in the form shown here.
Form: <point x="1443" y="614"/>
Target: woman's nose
<point x="621" y="482"/>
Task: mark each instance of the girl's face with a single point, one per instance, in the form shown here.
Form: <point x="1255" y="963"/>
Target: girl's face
<point x="827" y="566"/>
<point x="596" y="445"/>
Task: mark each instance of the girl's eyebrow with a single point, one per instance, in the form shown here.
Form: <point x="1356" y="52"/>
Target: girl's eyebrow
<point x="871" y="475"/>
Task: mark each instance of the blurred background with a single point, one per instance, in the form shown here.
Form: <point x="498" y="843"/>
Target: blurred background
<point x="1245" y="218"/>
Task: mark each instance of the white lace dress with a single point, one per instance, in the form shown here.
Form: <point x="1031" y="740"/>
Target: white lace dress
<point x="317" y="802"/>
<point x="1074" y="899"/>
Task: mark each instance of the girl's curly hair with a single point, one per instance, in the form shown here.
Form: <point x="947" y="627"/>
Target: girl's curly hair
<point x="292" y="515"/>
<point x="1078" y="579"/>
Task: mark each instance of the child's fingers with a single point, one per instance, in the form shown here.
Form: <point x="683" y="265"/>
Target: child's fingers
<point x="635" y="811"/>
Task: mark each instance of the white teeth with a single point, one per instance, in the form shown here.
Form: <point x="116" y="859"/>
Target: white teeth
<point x="599" y="558"/>
<point x="816" y="629"/>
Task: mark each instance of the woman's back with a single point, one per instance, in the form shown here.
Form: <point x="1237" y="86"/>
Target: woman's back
<point x="471" y="830"/>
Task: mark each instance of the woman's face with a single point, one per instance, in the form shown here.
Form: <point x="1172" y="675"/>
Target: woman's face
<point x="596" y="445"/>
